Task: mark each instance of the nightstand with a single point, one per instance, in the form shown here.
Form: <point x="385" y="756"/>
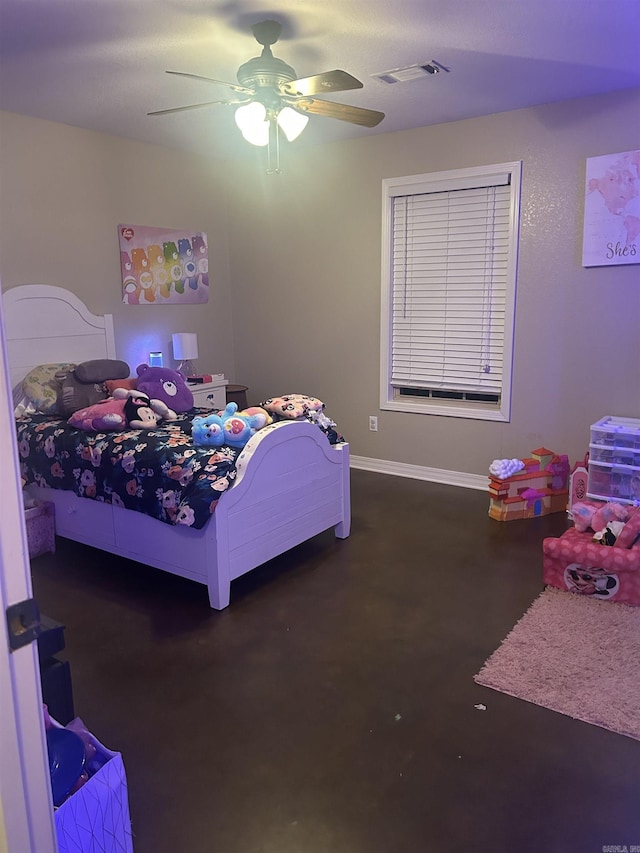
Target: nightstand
<point x="210" y="395"/>
<point x="237" y="394"/>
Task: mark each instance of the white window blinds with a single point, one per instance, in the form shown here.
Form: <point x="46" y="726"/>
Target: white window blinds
<point x="449" y="280"/>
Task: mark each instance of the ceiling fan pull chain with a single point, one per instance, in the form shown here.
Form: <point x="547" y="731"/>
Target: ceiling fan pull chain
<point x="273" y="148"/>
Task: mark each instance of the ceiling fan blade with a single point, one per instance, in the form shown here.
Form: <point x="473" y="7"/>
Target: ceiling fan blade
<point x="344" y="112"/>
<point x="319" y="84"/>
<point x="195" y="107"/>
<point x="233" y="86"/>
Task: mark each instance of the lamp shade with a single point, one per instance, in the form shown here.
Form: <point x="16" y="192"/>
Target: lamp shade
<point x="185" y="345"/>
<point x="292" y="122"/>
<point x="252" y="121"/>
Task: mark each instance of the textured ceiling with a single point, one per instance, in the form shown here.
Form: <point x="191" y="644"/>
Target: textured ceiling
<point x="99" y="64"/>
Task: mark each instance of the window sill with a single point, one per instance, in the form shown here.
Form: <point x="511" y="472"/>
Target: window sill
<point x="468" y="411"/>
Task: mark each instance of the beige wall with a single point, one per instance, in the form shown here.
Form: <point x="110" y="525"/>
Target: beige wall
<point x="63" y="192"/>
<point x="295" y="266"/>
<point x="305" y="256"/>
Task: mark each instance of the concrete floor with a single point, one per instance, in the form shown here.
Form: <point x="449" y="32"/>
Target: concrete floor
<point x="330" y="708"/>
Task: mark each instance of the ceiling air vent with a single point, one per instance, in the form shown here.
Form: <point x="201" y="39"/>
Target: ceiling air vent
<point x="411" y="72"/>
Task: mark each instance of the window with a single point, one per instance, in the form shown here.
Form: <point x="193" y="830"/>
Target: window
<point x="449" y="258"/>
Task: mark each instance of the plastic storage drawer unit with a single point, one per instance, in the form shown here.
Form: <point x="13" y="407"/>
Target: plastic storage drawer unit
<point x="614" y="460"/>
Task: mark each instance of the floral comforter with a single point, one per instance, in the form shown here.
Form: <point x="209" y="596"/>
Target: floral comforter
<point x="158" y="472"/>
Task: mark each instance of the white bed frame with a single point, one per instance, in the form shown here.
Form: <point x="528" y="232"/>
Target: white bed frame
<point x="291" y="485"/>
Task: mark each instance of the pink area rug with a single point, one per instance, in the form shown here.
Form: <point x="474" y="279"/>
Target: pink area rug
<point x="574" y="655"/>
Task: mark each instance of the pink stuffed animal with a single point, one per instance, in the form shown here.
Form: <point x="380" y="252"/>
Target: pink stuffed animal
<point x="609" y="512"/>
<point x="582" y="514"/>
<point x="587" y="516"/>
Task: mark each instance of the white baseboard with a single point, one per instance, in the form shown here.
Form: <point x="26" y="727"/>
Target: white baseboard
<point x="419" y="472"/>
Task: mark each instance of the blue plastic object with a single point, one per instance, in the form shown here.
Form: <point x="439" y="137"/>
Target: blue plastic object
<point x="66" y="762"/>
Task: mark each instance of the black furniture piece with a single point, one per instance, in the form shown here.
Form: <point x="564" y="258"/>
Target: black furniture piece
<point x="237" y="394"/>
<point x="55" y="674"/>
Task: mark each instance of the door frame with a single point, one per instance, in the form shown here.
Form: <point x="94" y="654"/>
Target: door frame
<point x="26" y="807"/>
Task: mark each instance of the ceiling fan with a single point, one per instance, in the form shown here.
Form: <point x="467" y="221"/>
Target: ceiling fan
<point x="270" y="95"/>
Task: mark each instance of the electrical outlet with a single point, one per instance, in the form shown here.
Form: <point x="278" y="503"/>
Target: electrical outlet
<point x="373" y="423"/>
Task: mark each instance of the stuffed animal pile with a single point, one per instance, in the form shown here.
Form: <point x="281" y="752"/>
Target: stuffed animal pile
<point x="157" y="393"/>
<point x="123" y="410"/>
<point x="229" y="426"/>
<point x="608" y="522"/>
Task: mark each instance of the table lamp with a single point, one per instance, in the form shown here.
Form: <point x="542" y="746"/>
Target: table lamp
<point x="185" y="350"/>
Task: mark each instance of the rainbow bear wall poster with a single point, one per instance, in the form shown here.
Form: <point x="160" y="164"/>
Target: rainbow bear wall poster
<point x="162" y="266"/>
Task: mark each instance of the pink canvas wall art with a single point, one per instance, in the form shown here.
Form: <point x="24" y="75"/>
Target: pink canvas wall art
<point x="161" y="266"/>
<point x="612" y="210"/>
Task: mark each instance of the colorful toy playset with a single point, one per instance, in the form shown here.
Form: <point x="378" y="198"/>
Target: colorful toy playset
<point x="527" y="488"/>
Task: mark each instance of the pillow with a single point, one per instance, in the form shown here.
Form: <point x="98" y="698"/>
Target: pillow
<point x="129" y="384"/>
<point x="630" y="532"/>
<point x="43" y="389"/>
<point x="105" y="416"/>
<point x="292" y="406"/>
<point x="85" y="385"/>
<point x="23" y="406"/>
<point x="100" y="369"/>
<point x="77" y="395"/>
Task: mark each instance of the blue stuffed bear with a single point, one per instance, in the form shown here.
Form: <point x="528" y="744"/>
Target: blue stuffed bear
<point x="207" y="431"/>
<point x="228" y="427"/>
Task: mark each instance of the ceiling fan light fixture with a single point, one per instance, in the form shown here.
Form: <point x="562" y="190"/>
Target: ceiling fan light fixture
<point x="272" y="98"/>
<point x="252" y="121"/>
<point x="292" y="123"/>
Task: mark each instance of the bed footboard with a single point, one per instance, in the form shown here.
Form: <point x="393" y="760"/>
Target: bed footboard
<point x="292" y="484"/>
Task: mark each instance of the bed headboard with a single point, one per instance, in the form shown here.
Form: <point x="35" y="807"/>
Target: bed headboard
<point x="45" y="324"/>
